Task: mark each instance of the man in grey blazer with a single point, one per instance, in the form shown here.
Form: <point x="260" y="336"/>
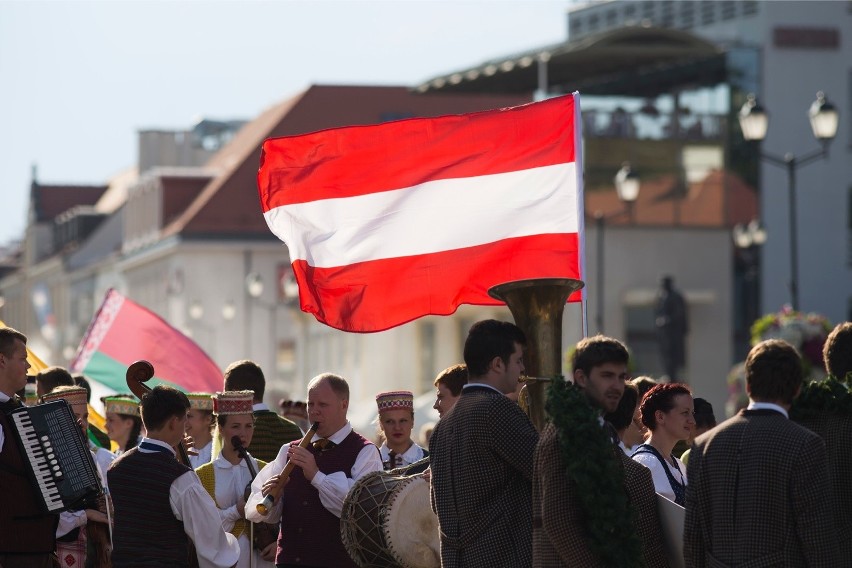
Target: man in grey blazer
<point x="481" y="457"/>
<point x="759" y="490"/>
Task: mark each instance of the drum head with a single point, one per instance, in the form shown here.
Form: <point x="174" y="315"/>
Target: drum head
<point x="411" y="528"/>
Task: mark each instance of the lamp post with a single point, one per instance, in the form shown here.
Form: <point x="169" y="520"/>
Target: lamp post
<point x="627" y="187"/>
<point x="748" y="238"/>
<point x="254" y="288"/>
<point x="754" y="122"/>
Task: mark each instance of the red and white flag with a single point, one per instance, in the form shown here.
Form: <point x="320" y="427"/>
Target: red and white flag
<point x="392" y="222"/>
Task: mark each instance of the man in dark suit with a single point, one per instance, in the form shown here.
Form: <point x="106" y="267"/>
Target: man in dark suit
<point x="561" y="523"/>
<point x="481" y="457"/>
<point x="759" y="490"/>
<point x="270" y="430"/>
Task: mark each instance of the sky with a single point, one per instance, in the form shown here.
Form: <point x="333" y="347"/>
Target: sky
<point x="79" y="79"/>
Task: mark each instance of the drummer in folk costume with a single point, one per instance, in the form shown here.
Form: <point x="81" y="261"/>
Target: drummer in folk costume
<point x="199" y="426"/>
<point x="227" y="476"/>
<point x="76" y="527"/>
<point x="312" y="499"/>
<point x="396" y="419"/>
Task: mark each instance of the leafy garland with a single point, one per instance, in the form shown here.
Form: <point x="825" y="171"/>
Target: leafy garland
<point x="587" y="454"/>
<point x="819" y="398"/>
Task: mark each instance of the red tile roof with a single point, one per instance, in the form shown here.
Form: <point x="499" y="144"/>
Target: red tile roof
<point x="721" y="199"/>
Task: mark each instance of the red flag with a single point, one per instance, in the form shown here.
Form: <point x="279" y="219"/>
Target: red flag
<point x="123" y="332"/>
<point x="391" y="222"/>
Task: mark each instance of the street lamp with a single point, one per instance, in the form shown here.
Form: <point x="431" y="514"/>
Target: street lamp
<point x="627" y="187"/>
<point x="748" y="238"/>
<point x="754" y="122"/>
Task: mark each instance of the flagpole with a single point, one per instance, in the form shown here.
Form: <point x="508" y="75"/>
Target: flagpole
<point x="581" y="207"/>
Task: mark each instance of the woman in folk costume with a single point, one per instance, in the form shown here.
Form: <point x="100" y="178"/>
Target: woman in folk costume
<point x="667" y="411"/>
<point x="123" y="423"/>
<point x="87" y="529"/>
<point x="396" y="420"/>
<point x="228" y="475"/>
<point x="199" y="425"/>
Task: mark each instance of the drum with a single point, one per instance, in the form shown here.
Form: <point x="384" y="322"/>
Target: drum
<point x="387" y="521"/>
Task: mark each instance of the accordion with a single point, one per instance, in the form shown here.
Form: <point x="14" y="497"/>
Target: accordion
<point x="62" y="468"/>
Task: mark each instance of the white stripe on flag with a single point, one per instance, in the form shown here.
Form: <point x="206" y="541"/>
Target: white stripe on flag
<point x="431" y="217"/>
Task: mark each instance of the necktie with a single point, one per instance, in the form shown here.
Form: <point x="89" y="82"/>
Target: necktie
<point x="391" y="459"/>
<point x="323" y="444"/>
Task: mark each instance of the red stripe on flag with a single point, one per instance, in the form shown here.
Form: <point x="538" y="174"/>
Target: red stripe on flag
<point x="357" y="160"/>
<point x="377" y="295"/>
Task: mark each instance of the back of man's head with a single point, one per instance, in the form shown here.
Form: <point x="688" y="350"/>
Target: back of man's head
<point x="773" y="372"/>
<point x="598" y="350"/>
<point x="626" y="409"/>
<point x="52" y="377"/>
<point x="8" y="337"/>
<point x="245" y="375"/>
<point x="703" y="412"/>
<point x="454" y="378"/>
<point x="837" y="352"/>
<point x="161" y="404"/>
<point x="643" y="384"/>
<point x="488" y="339"/>
<point x="82" y="382"/>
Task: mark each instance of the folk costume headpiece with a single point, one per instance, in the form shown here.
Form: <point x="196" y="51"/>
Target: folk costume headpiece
<point x="233" y="402"/>
<point x="122" y="404"/>
<point x="73" y="395"/>
<point x="395" y="400"/>
<point x="200" y="400"/>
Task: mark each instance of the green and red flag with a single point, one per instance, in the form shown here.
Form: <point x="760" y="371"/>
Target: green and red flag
<point x="123" y="332"/>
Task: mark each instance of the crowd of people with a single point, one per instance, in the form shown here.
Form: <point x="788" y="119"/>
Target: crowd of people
<point x="764" y="488"/>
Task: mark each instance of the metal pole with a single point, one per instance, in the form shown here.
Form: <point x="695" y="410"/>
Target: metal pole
<point x="599" y="285"/>
<point x="794" y="257"/>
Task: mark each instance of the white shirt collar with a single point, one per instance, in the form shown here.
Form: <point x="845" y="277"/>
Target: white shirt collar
<point x="482" y="385"/>
<point x="768" y="406"/>
<point x="259" y="406"/>
<point x="410" y="455"/>
<point x="157" y="443"/>
<point x="222" y="463"/>
<point x="4" y="397"/>
<point x="338" y="436"/>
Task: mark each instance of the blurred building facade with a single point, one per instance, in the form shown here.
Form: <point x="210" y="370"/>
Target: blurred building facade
<point x="784" y="52"/>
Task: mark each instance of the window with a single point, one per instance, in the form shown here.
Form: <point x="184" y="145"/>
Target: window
<point x="576" y="25"/>
<point x="687" y="15"/>
<point x="750" y="7"/>
<point x="729" y="10"/>
<point x="611" y="17"/>
<point x="708" y="12"/>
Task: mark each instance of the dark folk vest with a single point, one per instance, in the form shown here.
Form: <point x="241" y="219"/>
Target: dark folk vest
<point x="146" y="531"/>
<point x="678" y="488"/>
<point x="310" y="533"/>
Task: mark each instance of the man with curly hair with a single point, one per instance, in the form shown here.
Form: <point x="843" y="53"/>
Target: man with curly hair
<point x="832" y="421"/>
<point x="837" y="352"/>
<point x="562" y="507"/>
